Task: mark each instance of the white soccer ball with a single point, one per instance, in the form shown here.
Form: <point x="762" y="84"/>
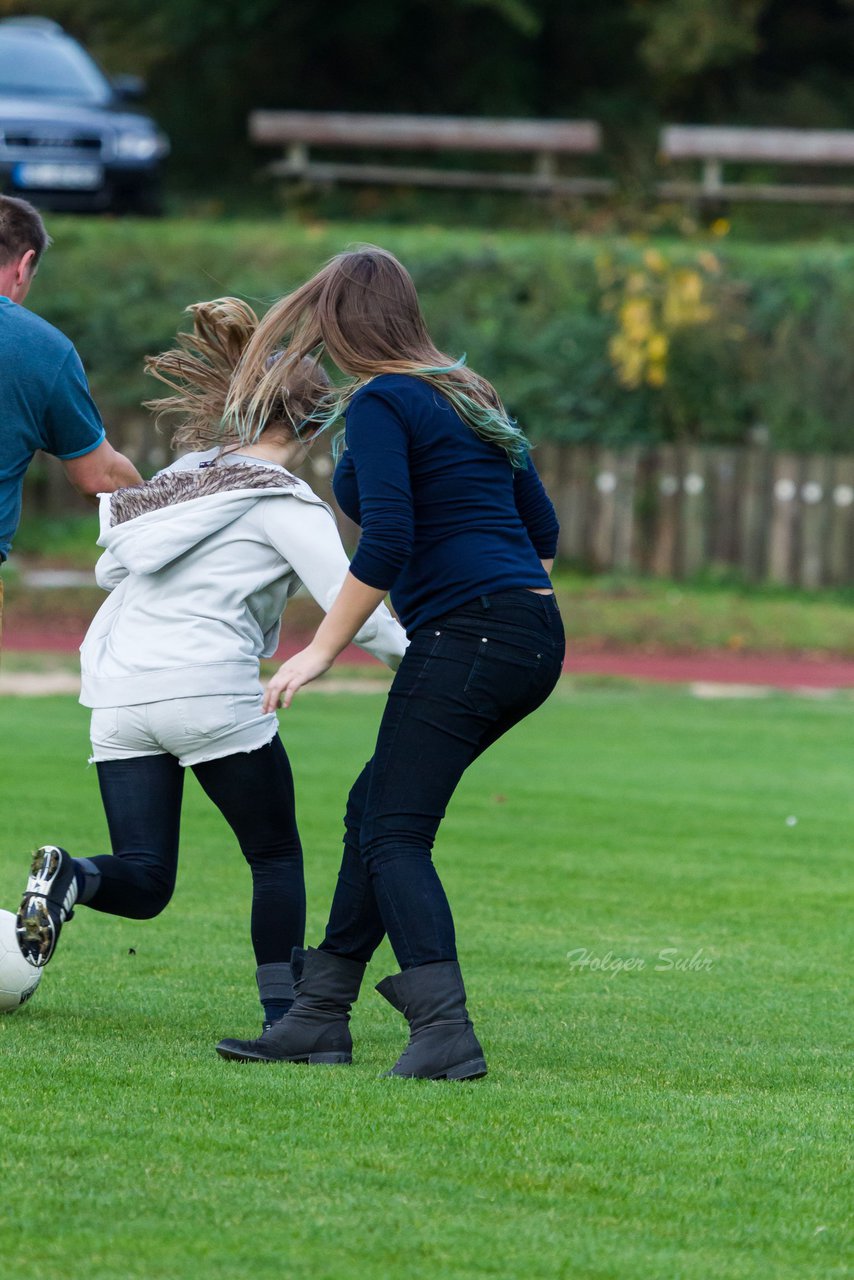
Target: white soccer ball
<point x="18" y="979"/>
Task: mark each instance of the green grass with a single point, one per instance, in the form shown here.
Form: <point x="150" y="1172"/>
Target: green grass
<point x="624" y="612"/>
<point x="646" y="1124"/>
<point x="68" y="541"/>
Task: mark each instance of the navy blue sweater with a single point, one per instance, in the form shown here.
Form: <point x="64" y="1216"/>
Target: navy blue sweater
<point x="444" y="516"/>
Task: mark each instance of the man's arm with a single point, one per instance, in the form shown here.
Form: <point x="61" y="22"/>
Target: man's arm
<point x="74" y="433"/>
<point x="101" y="470"/>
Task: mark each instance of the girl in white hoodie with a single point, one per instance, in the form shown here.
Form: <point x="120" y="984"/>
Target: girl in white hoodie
<point x="199" y="563"/>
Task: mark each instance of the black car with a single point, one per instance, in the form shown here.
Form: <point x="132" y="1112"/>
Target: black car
<point x="67" y="141"/>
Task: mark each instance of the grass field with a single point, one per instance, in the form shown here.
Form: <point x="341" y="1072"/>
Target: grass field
<point x="685" y="1118"/>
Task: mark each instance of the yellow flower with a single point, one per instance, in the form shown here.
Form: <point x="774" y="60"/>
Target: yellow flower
<point x="709" y="262"/>
<point x="655" y="261"/>
<point x="683" y="303"/>
<point x="720" y="227"/>
<point x="636" y="282"/>
<point x="627" y="359"/>
<point x="657" y="347"/>
<point x="636" y="318"/>
<point x="652" y="303"/>
<point x="689" y="285"/>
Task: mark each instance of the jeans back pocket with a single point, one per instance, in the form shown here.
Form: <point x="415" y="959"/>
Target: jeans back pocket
<point x="208" y="715"/>
<point x="505" y="677"/>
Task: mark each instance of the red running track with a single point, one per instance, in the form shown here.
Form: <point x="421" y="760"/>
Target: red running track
<point x="68" y="638"/>
<point x="775" y="670"/>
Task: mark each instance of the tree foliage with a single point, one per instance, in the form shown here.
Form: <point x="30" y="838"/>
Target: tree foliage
<point x="686" y="38"/>
<point x="628" y="63"/>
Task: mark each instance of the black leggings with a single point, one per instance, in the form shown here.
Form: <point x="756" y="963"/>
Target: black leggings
<point x="254" y="792"/>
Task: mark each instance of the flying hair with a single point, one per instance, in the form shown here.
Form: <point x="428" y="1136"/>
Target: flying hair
<point x="200" y="368"/>
<point x="362" y="310"/>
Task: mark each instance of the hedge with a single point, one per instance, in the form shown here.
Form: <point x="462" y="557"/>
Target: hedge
<point x="586" y="337"/>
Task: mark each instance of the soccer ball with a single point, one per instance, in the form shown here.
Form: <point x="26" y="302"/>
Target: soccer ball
<point x="18" y="978"/>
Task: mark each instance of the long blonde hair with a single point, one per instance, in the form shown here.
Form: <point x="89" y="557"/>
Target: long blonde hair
<point x="200" y="370"/>
<point x="362" y="310"/>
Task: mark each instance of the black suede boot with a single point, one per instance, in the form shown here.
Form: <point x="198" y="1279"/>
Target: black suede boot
<point x="442" y="1044"/>
<point x="316" y="1027"/>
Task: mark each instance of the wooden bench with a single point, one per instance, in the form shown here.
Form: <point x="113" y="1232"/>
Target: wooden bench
<point x="716" y="145"/>
<point x="546" y="141"/>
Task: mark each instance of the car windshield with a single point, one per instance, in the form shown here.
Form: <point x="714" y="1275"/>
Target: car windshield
<point x="51" y="68"/>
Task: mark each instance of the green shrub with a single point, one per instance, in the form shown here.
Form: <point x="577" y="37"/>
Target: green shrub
<point x="765" y="339"/>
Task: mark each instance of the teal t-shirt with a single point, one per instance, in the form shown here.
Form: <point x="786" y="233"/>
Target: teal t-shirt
<point x="44" y="404"/>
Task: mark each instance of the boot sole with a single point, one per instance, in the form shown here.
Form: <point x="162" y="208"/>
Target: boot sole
<point x="475" y="1069"/>
<point x="312" y="1059"/>
<point x="35" y="931"/>
<point x="43" y="869"/>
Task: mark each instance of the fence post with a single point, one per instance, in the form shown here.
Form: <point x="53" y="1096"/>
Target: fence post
<point x="692" y="528"/>
<point x="602" y="526"/>
<point x="722" y="506"/>
<point x="783" y="532"/>
<point x="841" y="542"/>
<point x="576" y="503"/>
<point x="815" y="521"/>
<point x="665" y="537"/>
<point x="625" y="513"/>
<point x="756" y="488"/>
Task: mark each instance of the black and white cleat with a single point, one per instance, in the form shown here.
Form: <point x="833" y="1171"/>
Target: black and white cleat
<point x="47" y="904"/>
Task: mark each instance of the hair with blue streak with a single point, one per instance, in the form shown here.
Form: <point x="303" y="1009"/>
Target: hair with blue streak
<point x="362" y="310"/>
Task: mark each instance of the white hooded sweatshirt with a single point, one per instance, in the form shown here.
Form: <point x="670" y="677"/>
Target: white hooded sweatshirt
<point x="200" y="563"/>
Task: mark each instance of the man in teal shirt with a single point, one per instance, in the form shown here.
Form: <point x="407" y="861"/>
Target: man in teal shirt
<point x="44" y="397"/>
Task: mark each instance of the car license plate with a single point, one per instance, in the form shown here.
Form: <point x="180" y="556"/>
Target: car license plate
<point x="45" y="175"/>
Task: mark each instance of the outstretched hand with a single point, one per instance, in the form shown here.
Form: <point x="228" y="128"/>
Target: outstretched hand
<point x="353" y="605"/>
<point x="303" y="667"/>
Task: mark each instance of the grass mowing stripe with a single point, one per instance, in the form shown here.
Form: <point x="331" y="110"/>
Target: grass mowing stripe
<point x="637" y="1122"/>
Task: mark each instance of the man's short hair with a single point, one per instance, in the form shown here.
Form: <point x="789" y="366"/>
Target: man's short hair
<point x="21" y="229"/>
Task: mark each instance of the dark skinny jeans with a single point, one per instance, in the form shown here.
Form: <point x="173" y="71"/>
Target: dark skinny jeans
<point x="465" y="679"/>
<point x="253" y="791"/>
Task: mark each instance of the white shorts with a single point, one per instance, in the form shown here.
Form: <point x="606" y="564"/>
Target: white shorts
<point x="193" y="729"/>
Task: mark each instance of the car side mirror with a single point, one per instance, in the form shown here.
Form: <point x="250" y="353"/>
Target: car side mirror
<point x="128" y="88"/>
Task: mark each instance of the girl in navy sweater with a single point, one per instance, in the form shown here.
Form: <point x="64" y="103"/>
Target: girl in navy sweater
<point x="457" y="527"/>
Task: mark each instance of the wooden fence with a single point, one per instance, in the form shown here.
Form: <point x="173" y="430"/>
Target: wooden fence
<point x="669" y="511"/>
<point x="550" y="141"/>
<point x="673" y="511"/>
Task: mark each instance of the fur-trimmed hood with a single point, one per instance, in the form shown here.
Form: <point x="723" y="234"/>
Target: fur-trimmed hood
<point x="171" y="487"/>
<point x="199" y="566"/>
<point x="147" y="526"/>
